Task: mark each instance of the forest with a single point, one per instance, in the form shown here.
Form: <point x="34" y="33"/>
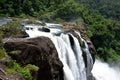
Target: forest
<point x="102" y="18"/>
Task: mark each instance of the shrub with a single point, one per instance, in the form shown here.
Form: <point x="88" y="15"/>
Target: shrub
<point x="32" y="67"/>
<point x="11" y="28"/>
<point x="12" y="66"/>
<point x="2" y="53"/>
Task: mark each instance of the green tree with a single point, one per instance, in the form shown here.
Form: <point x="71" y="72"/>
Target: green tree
<point x="27" y="7"/>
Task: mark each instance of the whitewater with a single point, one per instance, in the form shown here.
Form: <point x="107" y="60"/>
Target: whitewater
<point x="103" y="71"/>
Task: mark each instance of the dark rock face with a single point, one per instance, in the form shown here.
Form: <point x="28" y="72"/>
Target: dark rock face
<point x="40" y="52"/>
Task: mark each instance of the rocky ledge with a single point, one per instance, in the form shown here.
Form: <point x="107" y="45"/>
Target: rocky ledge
<point x="40" y="52"/>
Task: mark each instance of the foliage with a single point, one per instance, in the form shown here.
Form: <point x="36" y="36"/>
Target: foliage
<point x="2" y="53"/>
<point x="27" y="7"/>
<point x="104" y="35"/>
<point x="11" y="28"/>
<point x="68" y="11"/>
<point x="12" y="66"/>
<point x="32" y="67"/>
<point x="108" y="54"/>
<point x="107" y="8"/>
<point x="36" y="8"/>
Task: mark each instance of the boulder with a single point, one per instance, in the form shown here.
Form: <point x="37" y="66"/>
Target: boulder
<point x="41" y="52"/>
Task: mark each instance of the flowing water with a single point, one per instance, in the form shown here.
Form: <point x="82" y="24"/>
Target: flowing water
<point x="89" y="57"/>
<point x="69" y="52"/>
<point x="103" y="71"/>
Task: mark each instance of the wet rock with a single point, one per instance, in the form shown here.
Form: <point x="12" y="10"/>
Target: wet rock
<point x="91" y="49"/>
<point x="40" y="52"/>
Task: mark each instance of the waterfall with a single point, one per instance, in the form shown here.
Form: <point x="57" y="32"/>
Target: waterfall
<point x="69" y="52"/>
<point x="89" y="57"/>
<point x="103" y="71"/>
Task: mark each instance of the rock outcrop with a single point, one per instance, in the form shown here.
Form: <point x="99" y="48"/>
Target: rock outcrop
<point x="40" y="52"/>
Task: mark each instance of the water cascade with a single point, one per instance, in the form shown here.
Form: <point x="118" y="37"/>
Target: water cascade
<point x="89" y="57"/>
<point x="103" y="71"/>
<point x="69" y="52"/>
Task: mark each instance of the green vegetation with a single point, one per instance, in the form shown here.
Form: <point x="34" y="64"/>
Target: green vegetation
<point x="11" y="28"/>
<point x="47" y="9"/>
<point x="12" y="67"/>
<point x="107" y="8"/>
<point x="32" y="67"/>
<point x="106" y="39"/>
<point x="2" y="53"/>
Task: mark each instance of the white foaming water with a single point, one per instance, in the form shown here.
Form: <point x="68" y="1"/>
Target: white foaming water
<point x="89" y="57"/>
<point x="67" y="56"/>
<point x="70" y="55"/>
<point x="78" y="53"/>
<point x="102" y="71"/>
